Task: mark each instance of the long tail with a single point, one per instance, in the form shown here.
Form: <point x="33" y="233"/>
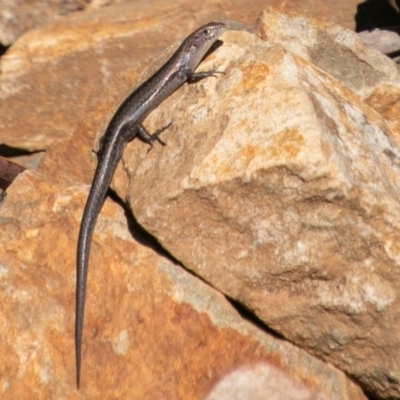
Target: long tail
<point x="101" y="182"/>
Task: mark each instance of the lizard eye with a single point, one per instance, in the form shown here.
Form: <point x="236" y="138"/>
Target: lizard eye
<point x="208" y="31"/>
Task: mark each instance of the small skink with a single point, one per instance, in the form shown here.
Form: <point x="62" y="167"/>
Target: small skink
<point x="125" y="125"/>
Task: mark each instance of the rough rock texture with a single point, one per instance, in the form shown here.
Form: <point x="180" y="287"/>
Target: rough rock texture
<point x="63" y="67"/>
<point x="280" y="186"/>
<point x="386" y="100"/>
<point x="19" y="16"/>
<point x="335" y="50"/>
<point x="260" y="382"/>
<point x="152" y="330"/>
<point x="385" y="41"/>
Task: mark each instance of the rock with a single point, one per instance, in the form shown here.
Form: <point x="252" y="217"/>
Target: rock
<point x="63" y="67"/>
<point x="259" y="382"/>
<point x="17" y="16"/>
<point x="386" y="100"/>
<point x="385" y="41"/>
<point x="280" y="185"/>
<point x="151" y="328"/>
<point x="360" y="69"/>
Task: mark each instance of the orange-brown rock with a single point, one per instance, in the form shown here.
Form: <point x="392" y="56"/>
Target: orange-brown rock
<point x="17" y="16"/>
<point x="386" y="100"/>
<point x="278" y="185"/>
<point x="282" y="192"/>
<point x="54" y="74"/>
<point x="152" y="330"/>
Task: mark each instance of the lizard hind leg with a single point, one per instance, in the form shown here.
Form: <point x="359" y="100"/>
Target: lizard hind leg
<point x="150" y="138"/>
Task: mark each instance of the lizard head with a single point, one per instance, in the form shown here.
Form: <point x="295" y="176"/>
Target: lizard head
<point x="199" y="42"/>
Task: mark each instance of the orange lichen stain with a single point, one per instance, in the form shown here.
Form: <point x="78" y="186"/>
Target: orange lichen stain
<point x="254" y="74"/>
<point x="219" y="166"/>
<point x="245" y="155"/>
<point x="248" y="154"/>
<point x="225" y="168"/>
<point x="384" y="98"/>
<point x="286" y="144"/>
<point x="243" y="122"/>
<point x="386" y="101"/>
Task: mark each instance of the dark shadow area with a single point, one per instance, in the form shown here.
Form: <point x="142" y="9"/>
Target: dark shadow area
<point x="393" y="54"/>
<point x="3" y="49"/>
<point x="376" y="14"/>
<point x="9" y="152"/>
<point x="215" y="46"/>
<point x="138" y="233"/>
<point x="247" y="315"/>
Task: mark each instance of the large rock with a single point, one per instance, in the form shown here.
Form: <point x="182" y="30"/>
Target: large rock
<point x="19" y="16"/>
<point x="52" y="76"/>
<point x="152" y="330"/>
<point x="278" y="185"/>
<point x="282" y="192"/>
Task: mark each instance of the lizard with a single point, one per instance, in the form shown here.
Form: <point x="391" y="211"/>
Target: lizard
<point x="125" y="125"/>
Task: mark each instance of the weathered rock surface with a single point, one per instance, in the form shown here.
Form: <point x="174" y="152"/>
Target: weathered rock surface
<point x="63" y="67"/>
<point x="55" y="74"/>
<point x="19" y="16"/>
<point x="385" y="41"/>
<point x="386" y="100"/>
<point x="260" y="382"/>
<point x="335" y="50"/>
<point x="152" y="330"/>
<point x="280" y="186"/>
